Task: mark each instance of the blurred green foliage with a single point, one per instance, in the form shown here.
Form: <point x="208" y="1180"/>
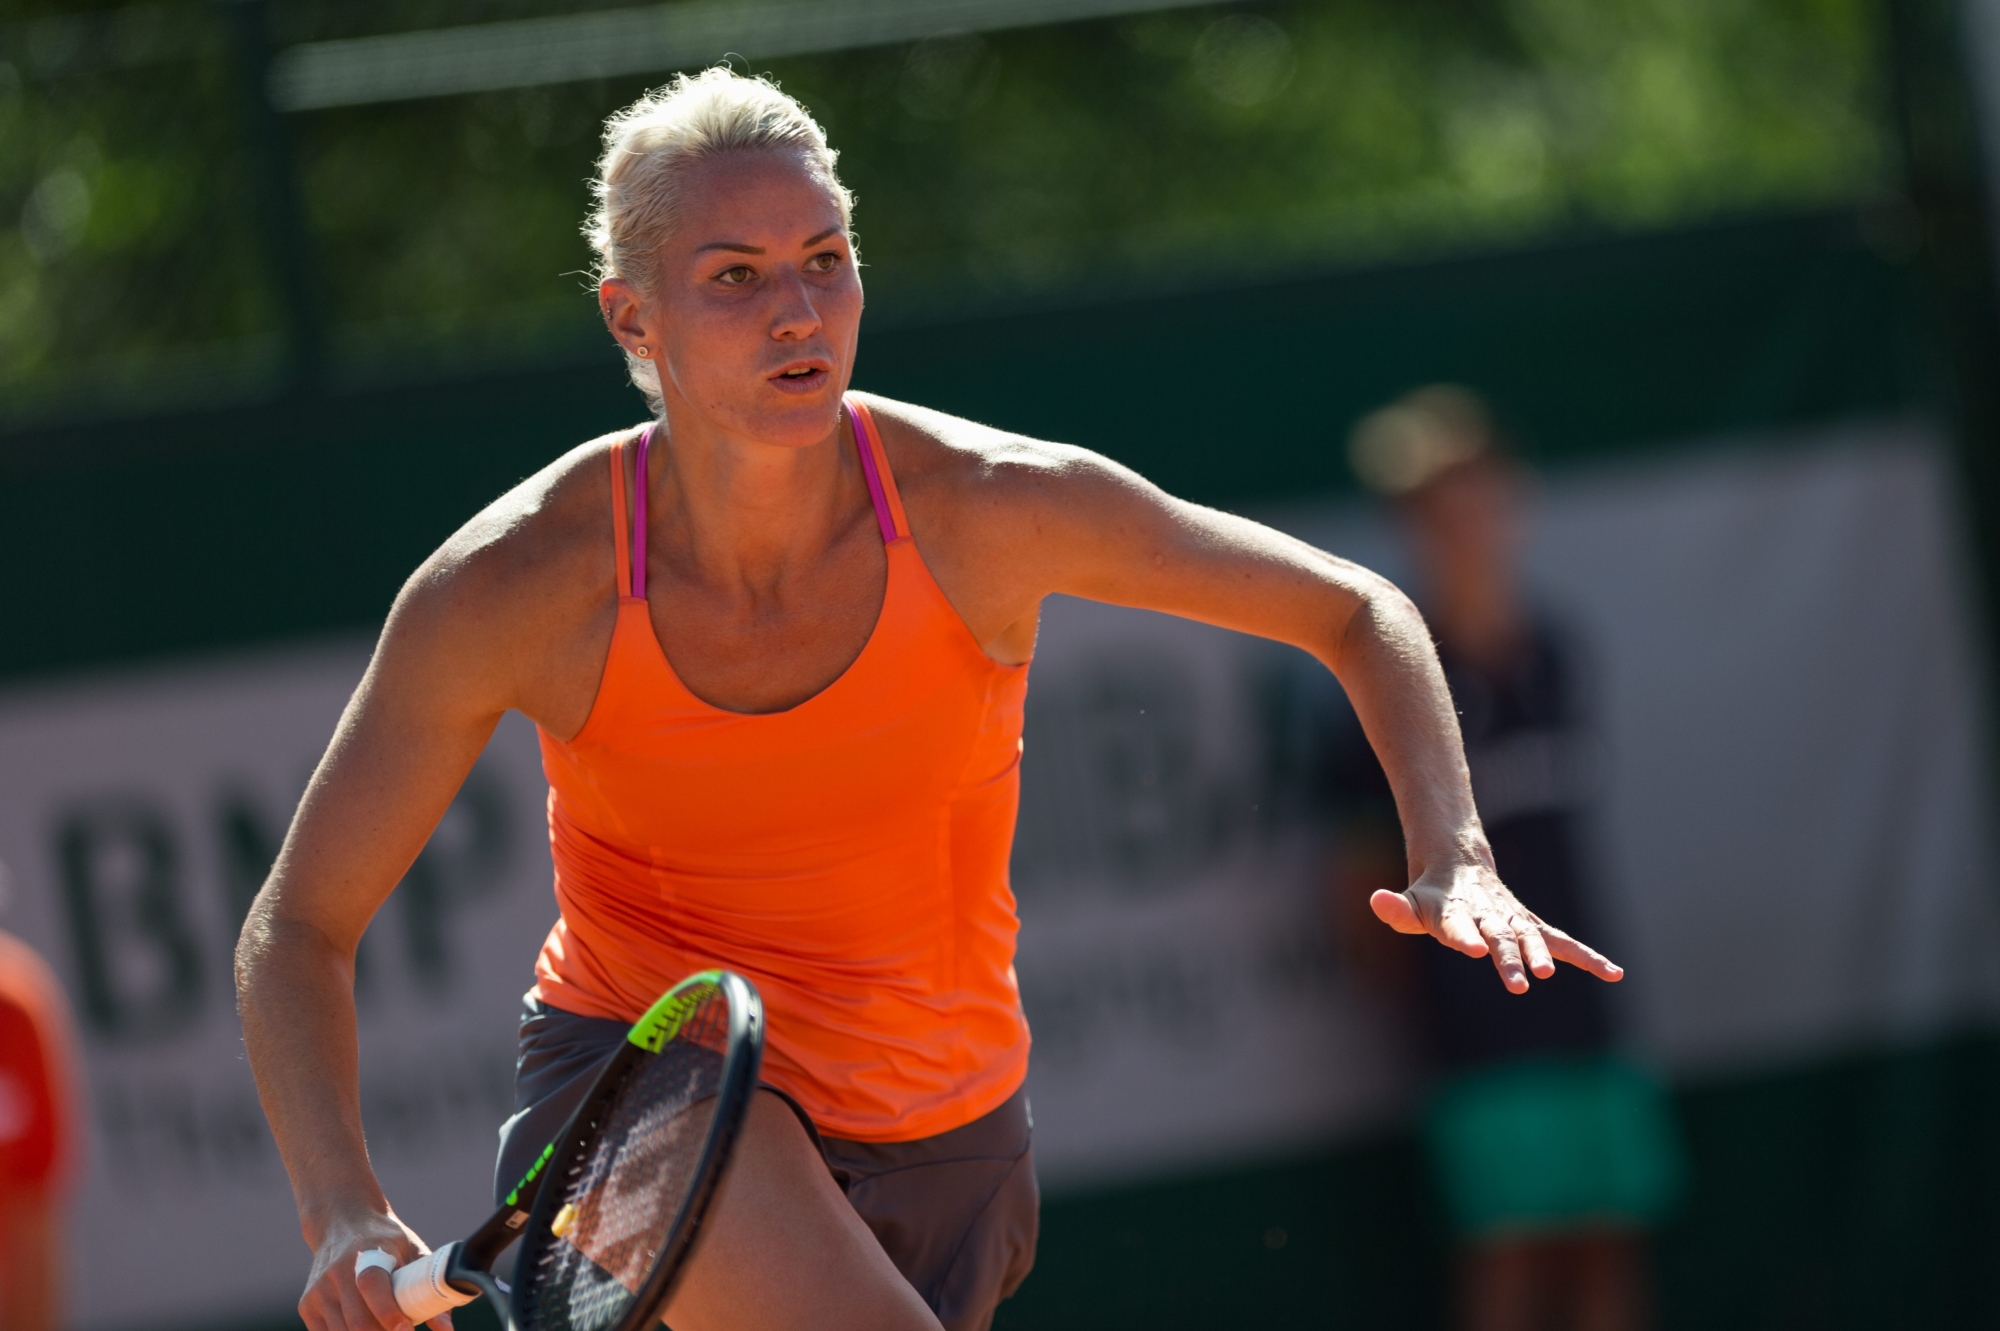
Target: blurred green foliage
<point x="1177" y="147"/>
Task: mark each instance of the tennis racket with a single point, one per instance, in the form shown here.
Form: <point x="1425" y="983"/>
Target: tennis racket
<point x="610" y="1211"/>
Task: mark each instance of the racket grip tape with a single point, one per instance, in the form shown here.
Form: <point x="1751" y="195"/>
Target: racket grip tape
<point x="422" y="1291"/>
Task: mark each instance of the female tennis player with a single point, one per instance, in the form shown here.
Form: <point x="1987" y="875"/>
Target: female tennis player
<point x="777" y="641"/>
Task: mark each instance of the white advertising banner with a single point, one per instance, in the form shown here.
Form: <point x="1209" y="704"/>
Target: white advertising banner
<point x="1175" y="957"/>
<point x="1797" y="820"/>
<point x="1793" y="815"/>
<point x="138" y="816"/>
<point x="1792" y="827"/>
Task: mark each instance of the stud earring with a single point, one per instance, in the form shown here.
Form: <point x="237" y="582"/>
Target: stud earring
<point x="644" y="352"/>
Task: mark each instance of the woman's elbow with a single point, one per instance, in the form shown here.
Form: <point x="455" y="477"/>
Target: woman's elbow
<point x="1378" y="612"/>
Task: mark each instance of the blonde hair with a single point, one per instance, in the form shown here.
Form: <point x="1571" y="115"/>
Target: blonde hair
<point x="646" y="148"/>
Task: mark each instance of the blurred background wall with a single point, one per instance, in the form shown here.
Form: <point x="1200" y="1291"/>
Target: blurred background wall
<point x="289" y="289"/>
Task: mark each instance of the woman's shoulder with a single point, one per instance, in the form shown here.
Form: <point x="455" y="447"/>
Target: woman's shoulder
<point x="936" y="451"/>
<point x="538" y="545"/>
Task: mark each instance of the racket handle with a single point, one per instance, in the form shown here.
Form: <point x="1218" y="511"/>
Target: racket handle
<point x="421" y="1290"/>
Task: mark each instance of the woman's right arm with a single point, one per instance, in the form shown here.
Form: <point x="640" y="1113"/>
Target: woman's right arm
<point x="422" y="714"/>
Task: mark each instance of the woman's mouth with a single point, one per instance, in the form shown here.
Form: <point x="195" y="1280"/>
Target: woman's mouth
<point x="800" y="378"/>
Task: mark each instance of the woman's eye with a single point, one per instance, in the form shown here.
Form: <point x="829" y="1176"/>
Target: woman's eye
<point x="823" y="263"/>
<point x="736" y="276"/>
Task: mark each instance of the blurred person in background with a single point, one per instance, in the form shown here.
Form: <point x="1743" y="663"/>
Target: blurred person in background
<point x="36" y="1135"/>
<point x="1555" y="1156"/>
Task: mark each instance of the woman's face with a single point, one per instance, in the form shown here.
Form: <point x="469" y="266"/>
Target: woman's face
<point x="759" y="303"/>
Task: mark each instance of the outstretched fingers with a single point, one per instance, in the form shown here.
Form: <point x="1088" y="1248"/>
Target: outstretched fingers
<point x="1580" y="955"/>
<point x="1491" y="923"/>
<point x="1458" y="927"/>
<point x="1505" y="948"/>
<point x="1534" y="946"/>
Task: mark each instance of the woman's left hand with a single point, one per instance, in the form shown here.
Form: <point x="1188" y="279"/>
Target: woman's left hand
<point x="1466" y="907"/>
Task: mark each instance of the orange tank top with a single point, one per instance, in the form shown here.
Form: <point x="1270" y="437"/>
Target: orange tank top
<point x="848" y="856"/>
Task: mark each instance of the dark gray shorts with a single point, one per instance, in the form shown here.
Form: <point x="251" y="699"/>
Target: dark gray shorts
<point x="957" y="1213"/>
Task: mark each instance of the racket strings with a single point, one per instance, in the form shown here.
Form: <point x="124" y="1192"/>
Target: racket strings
<point x="629" y="1194"/>
<point x="708" y="1027"/>
<point x="621" y="1195"/>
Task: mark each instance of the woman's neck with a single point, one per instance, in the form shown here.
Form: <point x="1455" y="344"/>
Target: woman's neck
<point x="742" y="513"/>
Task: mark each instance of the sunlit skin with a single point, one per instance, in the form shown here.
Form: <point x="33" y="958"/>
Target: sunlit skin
<point x="765" y="574"/>
<point x="1465" y="529"/>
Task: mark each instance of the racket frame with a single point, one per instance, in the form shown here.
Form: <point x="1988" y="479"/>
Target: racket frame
<point x="530" y="1207"/>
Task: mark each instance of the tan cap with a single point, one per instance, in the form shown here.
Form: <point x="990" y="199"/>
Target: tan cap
<point x="1415" y="439"/>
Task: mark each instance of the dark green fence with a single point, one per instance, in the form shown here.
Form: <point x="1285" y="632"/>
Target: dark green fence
<point x="139" y="536"/>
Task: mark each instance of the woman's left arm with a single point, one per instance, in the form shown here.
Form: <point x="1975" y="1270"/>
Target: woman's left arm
<point x="1086" y="527"/>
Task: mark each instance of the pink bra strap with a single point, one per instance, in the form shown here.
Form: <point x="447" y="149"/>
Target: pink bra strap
<point x="883" y="518"/>
<point x="639" y="488"/>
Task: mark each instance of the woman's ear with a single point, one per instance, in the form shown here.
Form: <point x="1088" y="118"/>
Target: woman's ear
<point x="624" y="312"/>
